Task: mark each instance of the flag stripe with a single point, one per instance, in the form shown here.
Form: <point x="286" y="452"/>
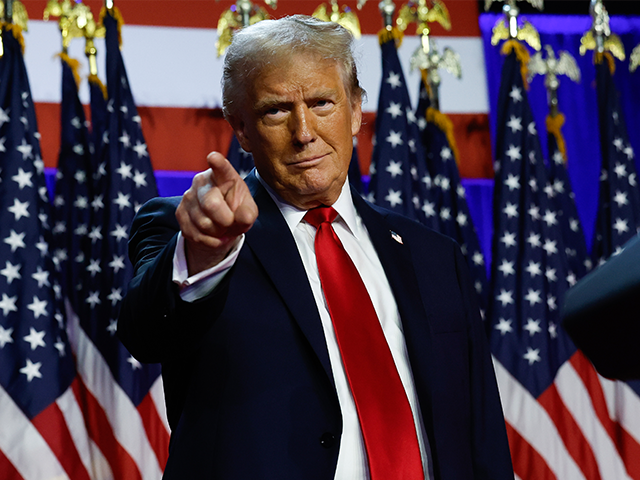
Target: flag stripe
<point x="533" y="423"/>
<point x="101" y="433"/>
<point x="9" y="472"/>
<point x="155" y="429"/>
<point x="52" y="426"/>
<point x="157" y="394"/>
<point x="627" y="446"/>
<point x="569" y="431"/>
<point x="120" y="413"/>
<point x="22" y="443"/>
<point x="527" y="461"/>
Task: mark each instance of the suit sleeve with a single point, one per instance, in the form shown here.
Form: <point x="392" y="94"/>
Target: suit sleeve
<point x="490" y="447"/>
<point x="154" y="322"/>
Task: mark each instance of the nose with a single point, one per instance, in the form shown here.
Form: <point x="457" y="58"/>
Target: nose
<point x="303" y="125"/>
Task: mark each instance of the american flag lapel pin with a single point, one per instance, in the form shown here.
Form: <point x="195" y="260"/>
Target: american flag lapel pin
<point x="396" y="237"/>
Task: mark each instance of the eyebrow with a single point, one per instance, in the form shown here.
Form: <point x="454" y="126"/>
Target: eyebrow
<point x="271" y="101"/>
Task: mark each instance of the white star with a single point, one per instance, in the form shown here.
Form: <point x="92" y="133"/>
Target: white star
<point x="94" y="267"/>
<point x="16" y="240"/>
<point x="534" y="212"/>
<point x="59" y="345"/>
<point x="446" y="153"/>
<point x="43" y="247"/>
<point x="550" y="273"/>
<point x="533" y="268"/>
<point x="124" y="170"/>
<point x="122" y="201"/>
<point x="8" y="304"/>
<point x="93" y="299"/>
<point x="531" y="128"/>
<point x="621" y="226"/>
<point x="19" y="209"/>
<point x="394" y="109"/>
<point x="515" y="94"/>
<point x="511" y="210"/>
<point x="506" y="267"/>
<point x="35" y="338"/>
<point x="25" y="149"/>
<point x="97" y="202"/>
<point x="4" y="116"/>
<point x="95" y="234"/>
<point x="445" y="214"/>
<point x="394" y="168"/>
<point x="509" y="239"/>
<point x="504" y="326"/>
<point x="553" y="330"/>
<point x="429" y="209"/>
<point x="515" y="124"/>
<point x="461" y="219"/>
<point x="533" y="296"/>
<point x="534" y="240"/>
<point x="11" y="272"/>
<point x="513" y="153"/>
<point x="551" y="302"/>
<point x="78" y="149"/>
<point x="135" y="364"/>
<point x="394" y="138"/>
<point x="31" y="370"/>
<point x="550" y="218"/>
<point x="394" y="80"/>
<point x="81" y="202"/>
<point x="621" y="198"/>
<point x="112" y="328"/>
<point x="140" y="178"/>
<point x="141" y="149"/>
<point x="115" y="296"/>
<point x="550" y="246"/>
<point x="532" y="356"/>
<point x="620" y="170"/>
<point x="513" y="182"/>
<point x="394" y="198"/>
<point x="125" y="139"/>
<point x="38" y="307"/>
<point x="532" y="326"/>
<point x="478" y="259"/>
<point x="117" y="263"/>
<point x="42" y="277"/>
<point x="505" y="297"/>
<point x="120" y="232"/>
<point x="618" y="143"/>
<point x="5" y="336"/>
<point x="23" y="179"/>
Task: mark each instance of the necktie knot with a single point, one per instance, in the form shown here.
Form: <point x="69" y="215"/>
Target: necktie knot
<point x="319" y="215"/>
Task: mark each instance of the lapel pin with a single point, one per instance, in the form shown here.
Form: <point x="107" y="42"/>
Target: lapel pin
<point x="396" y="237"/>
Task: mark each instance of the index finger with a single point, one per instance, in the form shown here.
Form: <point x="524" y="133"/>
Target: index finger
<point x="221" y="169"/>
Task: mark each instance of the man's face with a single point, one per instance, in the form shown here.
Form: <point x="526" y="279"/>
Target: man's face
<point x="298" y="122"/>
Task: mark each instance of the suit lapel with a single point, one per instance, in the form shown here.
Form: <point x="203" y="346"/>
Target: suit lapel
<point x="271" y="241"/>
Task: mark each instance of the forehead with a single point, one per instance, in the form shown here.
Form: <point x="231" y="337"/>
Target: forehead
<point x="301" y="72"/>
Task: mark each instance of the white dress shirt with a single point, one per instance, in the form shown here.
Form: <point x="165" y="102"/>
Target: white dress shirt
<point x="352" y="458"/>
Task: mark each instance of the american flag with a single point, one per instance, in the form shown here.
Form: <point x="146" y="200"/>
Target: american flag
<point x="42" y="433"/>
<point x="555" y="405"/>
<point x="561" y="193"/>
<point x="124" y="405"/>
<point x="399" y="177"/>
<point x="454" y="218"/>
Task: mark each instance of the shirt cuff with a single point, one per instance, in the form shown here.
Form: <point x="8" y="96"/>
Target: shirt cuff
<point x="197" y="286"/>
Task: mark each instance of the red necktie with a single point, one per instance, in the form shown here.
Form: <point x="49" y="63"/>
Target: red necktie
<point x="381" y="401"/>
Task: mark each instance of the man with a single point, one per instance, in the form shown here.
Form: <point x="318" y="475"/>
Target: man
<point x="236" y="288"/>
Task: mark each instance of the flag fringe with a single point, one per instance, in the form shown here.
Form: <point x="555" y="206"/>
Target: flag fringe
<point x="16" y="31"/>
<point x="444" y="123"/>
<point x="94" y="79"/>
<point x="522" y="54"/>
<point x="554" y="127"/>
<point x="73" y="64"/>
<point x="115" y="13"/>
<point x="385" y="35"/>
<point x="599" y="57"/>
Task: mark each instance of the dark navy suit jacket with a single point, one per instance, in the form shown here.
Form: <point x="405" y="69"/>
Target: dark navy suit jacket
<point x="248" y="382"/>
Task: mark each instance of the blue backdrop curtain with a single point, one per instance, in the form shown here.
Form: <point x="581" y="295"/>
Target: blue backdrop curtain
<point x="577" y="102"/>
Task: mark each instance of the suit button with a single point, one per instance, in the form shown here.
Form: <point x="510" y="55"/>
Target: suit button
<point x="328" y="440"/>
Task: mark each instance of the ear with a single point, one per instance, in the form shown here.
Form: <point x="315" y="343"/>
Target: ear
<point x="356" y="117"/>
<point x="239" y="128"/>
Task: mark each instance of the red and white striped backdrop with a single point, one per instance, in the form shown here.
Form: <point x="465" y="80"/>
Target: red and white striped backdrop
<point x="169" y="52"/>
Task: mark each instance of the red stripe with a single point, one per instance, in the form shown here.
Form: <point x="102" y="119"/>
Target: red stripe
<point x="7" y="469"/>
<point x="156" y="431"/>
<point x="201" y="14"/>
<point x="54" y="429"/>
<point x="626" y="445"/>
<point x="527" y="462"/>
<point x="570" y="432"/>
<point x="100" y="431"/>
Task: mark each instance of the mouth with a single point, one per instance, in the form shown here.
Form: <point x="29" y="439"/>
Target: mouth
<point x="307" y="162"/>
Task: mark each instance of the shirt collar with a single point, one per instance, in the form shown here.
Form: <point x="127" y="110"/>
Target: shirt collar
<point x="293" y="215"/>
